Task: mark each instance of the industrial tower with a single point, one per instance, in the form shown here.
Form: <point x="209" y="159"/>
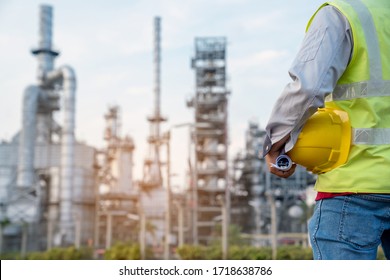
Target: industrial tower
<point x="153" y="200"/>
<point x="211" y="197"/>
<point x="48" y="178"/>
<point x="117" y="197"/>
<point x="152" y="166"/>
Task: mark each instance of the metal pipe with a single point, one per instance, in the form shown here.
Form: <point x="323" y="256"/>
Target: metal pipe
<point x="227" y="204"/>
<point x="195" y="238"/>
<point x="271" y="201"/>
<point x="44" y="50"/>
<point x="23" y="247"/>
<point x="77" y="240"/>
<point x="225" y="229"/>
<point x="31" y="99"/>
<point x="157" y="63"/>
<point x="108" y="230"/>
<point x="168" y="200"/>
<point x="157" y="98"/>
<point x="36" y="97"/>
<point x="274" y="230"/>
<point x="142" y="230"/>
<point x="27" y="137"/>
<point x="66" y="76"/>
<point x="180" y="222"/>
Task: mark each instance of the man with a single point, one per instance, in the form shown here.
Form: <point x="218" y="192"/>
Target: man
<point x="344" y="63"/>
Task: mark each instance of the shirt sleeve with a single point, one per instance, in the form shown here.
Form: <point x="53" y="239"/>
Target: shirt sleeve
<point x="322" y="59"/>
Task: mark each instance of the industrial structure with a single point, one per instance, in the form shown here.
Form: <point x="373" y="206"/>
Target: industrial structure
<point x="152" y="167"/>
<point x="153" y="197"/>
<point x="125" y="206"/>
<point x="266" y="193"/>
<point x="117" y="197"/>
<point x="210" y="136"/>
<point x="56" y="191"/>
<point x="48" y="179"/>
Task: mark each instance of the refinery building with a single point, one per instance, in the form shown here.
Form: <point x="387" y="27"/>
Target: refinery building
<point x="56" y="191"/>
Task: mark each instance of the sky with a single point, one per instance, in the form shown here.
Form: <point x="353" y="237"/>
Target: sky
<point x="109" y="44"/>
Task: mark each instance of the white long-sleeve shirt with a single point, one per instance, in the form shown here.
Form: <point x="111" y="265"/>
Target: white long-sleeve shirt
<point x="322" y="59"/>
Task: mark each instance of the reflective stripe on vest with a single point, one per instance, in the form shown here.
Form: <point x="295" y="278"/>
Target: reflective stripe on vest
<point x="375" y="87"/>
<point x="360" y="90"/>
<point x="371" y="136"/>
<point x="371" y="36"/>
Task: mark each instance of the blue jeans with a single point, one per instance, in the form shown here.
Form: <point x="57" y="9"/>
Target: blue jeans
<point x="350" y="227"/>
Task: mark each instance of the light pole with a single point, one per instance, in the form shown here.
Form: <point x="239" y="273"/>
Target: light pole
<point x="167" y="138"/>
<point x="271" y="201"/>
<point x="225" y="227"/>
<point x="180" y="222"/>
<point x="108" y="230"/>
<point x="23" y="250"/>
<point x="2" y="223"/>
<point x="193" y="173"/>
<point x="142" y="229"/>
<point x="77" y="240"/>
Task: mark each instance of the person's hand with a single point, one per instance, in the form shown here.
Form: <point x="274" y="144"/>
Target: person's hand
<point x="270" y="158"/>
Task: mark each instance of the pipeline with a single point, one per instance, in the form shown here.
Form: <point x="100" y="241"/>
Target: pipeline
<point x="26" y="173"/>
<point x="66" y="76"/>
<point x="36" y="97"/>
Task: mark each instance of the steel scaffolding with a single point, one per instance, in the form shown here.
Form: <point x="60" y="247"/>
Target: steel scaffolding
<point x="210" y="137"/>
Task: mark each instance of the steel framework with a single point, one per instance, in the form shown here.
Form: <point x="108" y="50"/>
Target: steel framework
<point x="210" y="137"/>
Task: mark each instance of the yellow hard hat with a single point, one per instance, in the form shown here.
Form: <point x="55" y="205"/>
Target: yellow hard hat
<point x="324" y="141"/>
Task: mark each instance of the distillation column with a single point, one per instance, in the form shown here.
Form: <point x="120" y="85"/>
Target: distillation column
<point x="39" y="103"/>
<point x="152" y="166"/>
<point x="210" y="138"/>
<point x="117" y="197"/>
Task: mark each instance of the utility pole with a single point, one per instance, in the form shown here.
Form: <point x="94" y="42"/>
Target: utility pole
<point x="180" y="222"/>
<point x="77" y="240"/>
<point x="194" y="177"/>
<point x="167" y="240"/>
<point x="142" y="231"/>
<point x="23" y="250"/>
<point x="227" y="204"/>
<point x="108" y="230"/>
<point x="225" y="229"/>
<point x="271" y="201"/>
<point x="274" y="232"/>
<point x="2" y="224"/>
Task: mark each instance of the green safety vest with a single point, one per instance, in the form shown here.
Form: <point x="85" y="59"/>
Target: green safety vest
<point x="363" y="91"/>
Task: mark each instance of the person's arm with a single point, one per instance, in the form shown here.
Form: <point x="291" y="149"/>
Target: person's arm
<point x="320" y="62"/>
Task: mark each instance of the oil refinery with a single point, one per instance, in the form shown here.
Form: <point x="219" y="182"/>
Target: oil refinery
<point x="57" y="191"/>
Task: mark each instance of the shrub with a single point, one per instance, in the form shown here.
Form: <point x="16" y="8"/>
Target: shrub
<point x="249" y="253"/>
<point x="294" y="253"/>
<point x="58" y="253"/>
<point x="126" y="251"/>
<point x="188" y="252"/>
